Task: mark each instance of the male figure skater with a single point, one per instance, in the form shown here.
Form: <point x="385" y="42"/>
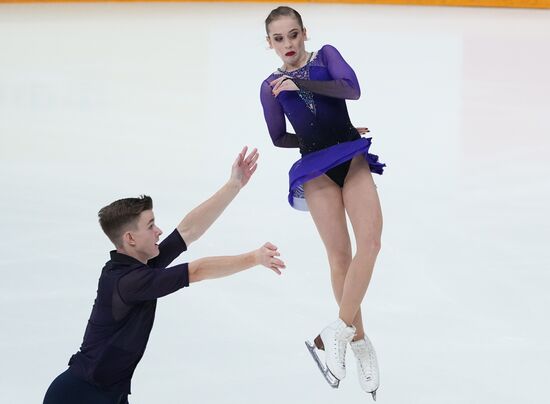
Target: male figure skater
<point x="132" y="280"/>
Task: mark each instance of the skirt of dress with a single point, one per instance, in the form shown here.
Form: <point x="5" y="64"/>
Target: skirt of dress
<point x="317" y="163"/>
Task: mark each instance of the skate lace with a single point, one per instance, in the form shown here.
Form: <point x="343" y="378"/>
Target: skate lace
<point x="341" y="341"/>
<point x="342" y="345"/>
<point x="362" y="351"/>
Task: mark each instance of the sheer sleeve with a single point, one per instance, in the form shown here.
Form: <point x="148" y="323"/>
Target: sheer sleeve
<point x="344" y="85"/>
<point x="275" y="119"/>
<point x="145" y="283"/>
<point x="169" y="249"/>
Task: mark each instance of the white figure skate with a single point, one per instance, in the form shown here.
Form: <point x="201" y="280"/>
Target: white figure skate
<point x="367" y="365"/>
<point x="333" y="340"/>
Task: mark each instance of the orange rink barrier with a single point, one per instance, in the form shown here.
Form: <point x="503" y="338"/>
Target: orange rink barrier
<point x="463" y="3"/>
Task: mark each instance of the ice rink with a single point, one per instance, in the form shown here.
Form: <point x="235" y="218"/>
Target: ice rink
<point x="104" y="101"/>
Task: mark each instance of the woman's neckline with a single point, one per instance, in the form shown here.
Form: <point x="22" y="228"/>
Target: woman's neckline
<point x="309" y="59"/>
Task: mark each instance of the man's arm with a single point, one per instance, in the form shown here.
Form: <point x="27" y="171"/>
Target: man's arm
<point x="196" y="222"/>
<point x="218" y="267"/>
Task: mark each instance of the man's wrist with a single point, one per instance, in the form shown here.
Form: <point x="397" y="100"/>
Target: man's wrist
<point x="233" y="184"/>
<point x="254" y="257"/>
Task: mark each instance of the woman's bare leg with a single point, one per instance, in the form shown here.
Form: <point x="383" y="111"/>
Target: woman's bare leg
<point x="362" y="205"/>
<point x="326" y="205"/>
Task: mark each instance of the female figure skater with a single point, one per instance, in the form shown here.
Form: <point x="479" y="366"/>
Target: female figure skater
<point x="333" y="176"/>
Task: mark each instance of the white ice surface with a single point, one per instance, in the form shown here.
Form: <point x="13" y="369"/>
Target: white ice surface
<point x="102" y="101"/>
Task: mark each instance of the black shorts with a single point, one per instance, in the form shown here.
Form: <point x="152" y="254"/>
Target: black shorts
<point x="339" y="173"/>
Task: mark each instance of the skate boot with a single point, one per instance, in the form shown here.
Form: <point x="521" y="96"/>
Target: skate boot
<point x="333" y="340"/>
<point x="367" y="365"/>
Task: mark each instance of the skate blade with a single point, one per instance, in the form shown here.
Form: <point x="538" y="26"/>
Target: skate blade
<point x="329" y="377"/>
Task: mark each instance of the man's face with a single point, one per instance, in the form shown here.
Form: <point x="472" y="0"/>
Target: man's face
<point x="146" y="236"/>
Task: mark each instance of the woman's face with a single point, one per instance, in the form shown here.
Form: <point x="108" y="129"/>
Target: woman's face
<point x="287" y="38"/>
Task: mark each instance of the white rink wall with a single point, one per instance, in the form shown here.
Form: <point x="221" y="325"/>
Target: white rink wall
<point x="103" y="101"/>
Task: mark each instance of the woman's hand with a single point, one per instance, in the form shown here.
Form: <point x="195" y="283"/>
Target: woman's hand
<point x="362" y="131"/>
<point x="244" y="166"/>
<point x="267" y="256"/>
<point x="283" y="83"/>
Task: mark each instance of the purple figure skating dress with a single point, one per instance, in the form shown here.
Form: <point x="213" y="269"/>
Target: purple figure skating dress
<point x="324" y="133"/>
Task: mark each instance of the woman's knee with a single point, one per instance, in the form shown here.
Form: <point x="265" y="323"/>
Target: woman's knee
<point x="369" y="246"/>
<point x="340" y="259"/>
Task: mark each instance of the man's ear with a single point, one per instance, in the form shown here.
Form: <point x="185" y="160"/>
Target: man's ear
<point x="128" y="239"/>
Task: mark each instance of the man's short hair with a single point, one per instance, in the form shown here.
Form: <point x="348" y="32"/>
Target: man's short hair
<point x="116" y="218"/>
